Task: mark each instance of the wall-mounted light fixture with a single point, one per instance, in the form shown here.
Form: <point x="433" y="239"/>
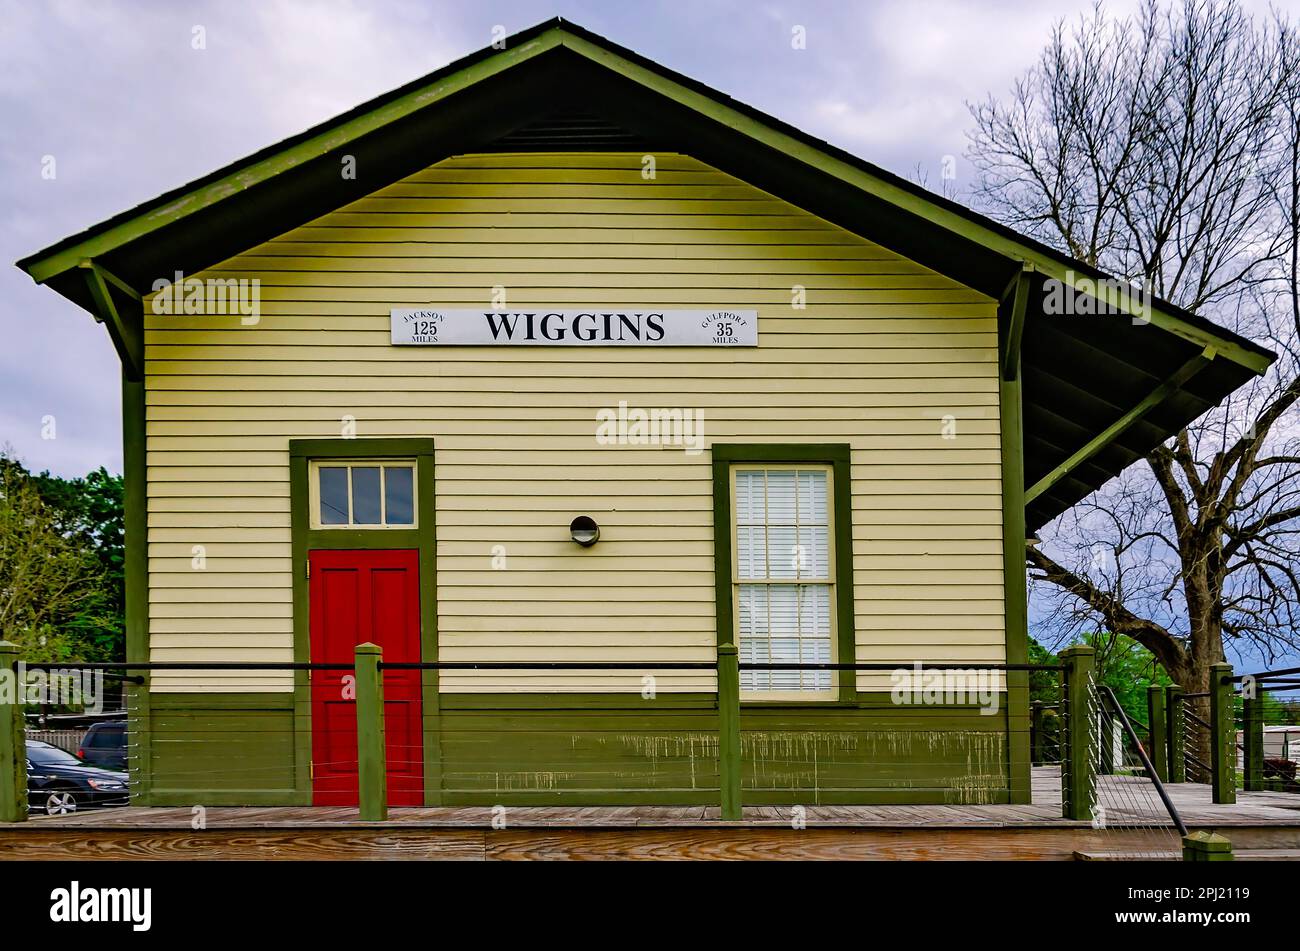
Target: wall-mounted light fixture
<point x="584" y="531"/>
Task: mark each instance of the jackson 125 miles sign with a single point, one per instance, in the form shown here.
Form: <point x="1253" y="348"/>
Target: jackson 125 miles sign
<point x="426" y="326"/>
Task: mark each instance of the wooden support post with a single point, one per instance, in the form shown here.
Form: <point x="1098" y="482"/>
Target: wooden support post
<point x="1077" y="779"/>
<point x="1223" y="736"/>
<point x="1252" y="741"/>
<point x="729" y="730"/>
<point x="13" y="743"/>
<point x="1206" y="847"/>
<point x="136" y="569"/>
<point x="372" y="765"/>
<point x="1014" y="574"/>
<point x="1105" y="744"/>
<point x="1159" y="742"/>
<point x="1177" y="734"/>
<point x="1038" y="709"/>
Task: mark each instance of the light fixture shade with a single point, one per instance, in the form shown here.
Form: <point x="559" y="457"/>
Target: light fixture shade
<point x="584" y="531"/>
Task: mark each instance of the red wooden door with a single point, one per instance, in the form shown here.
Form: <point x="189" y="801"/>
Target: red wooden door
<point x="360" y="596"/>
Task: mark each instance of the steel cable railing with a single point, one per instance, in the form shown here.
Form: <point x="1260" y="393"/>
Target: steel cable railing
<point x="1121" y="797"/>
<point x="198" y="748"/>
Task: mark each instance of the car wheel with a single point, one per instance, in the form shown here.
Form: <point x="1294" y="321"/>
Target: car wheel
<point x="60" y="802"/>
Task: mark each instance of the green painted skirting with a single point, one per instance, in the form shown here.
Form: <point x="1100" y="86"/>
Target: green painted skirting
<point x="600" y="749"/>
<point x="222" y="750"/>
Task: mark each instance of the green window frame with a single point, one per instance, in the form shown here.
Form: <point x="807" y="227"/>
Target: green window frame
<point x="728" y="456"/>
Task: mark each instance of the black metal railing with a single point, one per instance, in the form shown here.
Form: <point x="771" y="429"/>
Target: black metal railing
<point x="213" y="737"/>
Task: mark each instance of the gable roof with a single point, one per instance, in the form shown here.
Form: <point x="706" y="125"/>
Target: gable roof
<point x="1098" y="392"/>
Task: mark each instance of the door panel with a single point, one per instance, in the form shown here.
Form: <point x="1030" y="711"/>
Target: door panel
<point x="359" y="596"/>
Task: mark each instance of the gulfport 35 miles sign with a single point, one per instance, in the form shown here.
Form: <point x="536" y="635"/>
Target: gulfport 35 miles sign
<point x="606" y="327"/>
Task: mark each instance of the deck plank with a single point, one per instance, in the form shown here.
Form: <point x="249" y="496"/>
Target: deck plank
<point x="1129" y="799"/>
<point x="1136" y="824"/>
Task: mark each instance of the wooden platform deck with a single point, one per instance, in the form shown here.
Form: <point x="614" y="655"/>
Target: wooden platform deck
<point x="1134" y="822"/>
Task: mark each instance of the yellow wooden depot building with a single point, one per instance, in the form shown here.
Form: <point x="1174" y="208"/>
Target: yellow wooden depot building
<point x="557" y="356"/>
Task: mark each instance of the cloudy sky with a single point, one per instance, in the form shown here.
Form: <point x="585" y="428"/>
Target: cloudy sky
<point x="117" y="94"/>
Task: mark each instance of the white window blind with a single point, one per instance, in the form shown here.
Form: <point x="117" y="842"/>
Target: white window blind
<point x="782" y="575"/>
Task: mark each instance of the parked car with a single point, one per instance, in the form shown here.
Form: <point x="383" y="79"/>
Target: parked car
<point x="104" y="745"/>
<point x="58" y="783"/>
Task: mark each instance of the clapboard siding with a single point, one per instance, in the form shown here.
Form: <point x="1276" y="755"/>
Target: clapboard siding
<point x="884" y="355"/>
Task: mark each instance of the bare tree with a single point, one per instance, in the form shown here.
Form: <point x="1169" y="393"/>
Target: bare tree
<point x="1165" y="148"/>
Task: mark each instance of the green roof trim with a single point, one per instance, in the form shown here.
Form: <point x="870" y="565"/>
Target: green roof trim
<point x="1098" y="392"/>
<point x="292" y="153"/>
<point x="953" y="218"/>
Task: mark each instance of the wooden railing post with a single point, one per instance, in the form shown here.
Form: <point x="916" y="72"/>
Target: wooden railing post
<point x="1159" y="744"/>
<point x="1252" y="742"/>
<point x="729" y="730"/>
<point x="1203" y="846"/>
<point x="13" y="743"/>
<point x="1223" y="736"/>
<point x="1077" y="779"/>
<point x="1037" y="717"/>
<point x="372" y="765"/>
<point x="1177" y="734"/>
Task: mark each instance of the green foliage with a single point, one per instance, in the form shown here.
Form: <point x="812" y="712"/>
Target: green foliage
<point x="1128" y="669"/>
<point x="1123" y="664"/>
<point x="62" y="587"/>
<point x="1278" y="710"/>
<point x="90" y="511"/>
<point x="1044" y="685"/>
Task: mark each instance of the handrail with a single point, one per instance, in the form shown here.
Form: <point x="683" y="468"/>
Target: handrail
<point x="526" y="665"/>
<point x="687" y="665"/>
<point x="1269" y="674"/>
<point x="1146" y="760"/>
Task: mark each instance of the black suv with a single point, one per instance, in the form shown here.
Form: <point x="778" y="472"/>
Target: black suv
<point x="104" y="745"/>
<point x="58" y="783"/>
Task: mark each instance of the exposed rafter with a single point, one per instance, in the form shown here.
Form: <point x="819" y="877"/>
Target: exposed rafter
<point x="1115" y="429"/>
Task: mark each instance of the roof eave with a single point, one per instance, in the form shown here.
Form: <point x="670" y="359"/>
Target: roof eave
<point x="174" y="206"/>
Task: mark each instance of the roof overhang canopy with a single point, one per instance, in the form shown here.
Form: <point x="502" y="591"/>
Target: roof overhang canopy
<point x="1098" y="392"/>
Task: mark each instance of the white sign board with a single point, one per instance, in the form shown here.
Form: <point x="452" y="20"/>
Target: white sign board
<point x="605" y="327"/>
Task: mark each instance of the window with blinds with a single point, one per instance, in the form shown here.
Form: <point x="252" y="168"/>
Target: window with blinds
<point x="783" y="576"/>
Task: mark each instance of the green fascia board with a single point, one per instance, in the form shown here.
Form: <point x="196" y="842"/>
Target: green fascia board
<point x="761" y="128"/>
